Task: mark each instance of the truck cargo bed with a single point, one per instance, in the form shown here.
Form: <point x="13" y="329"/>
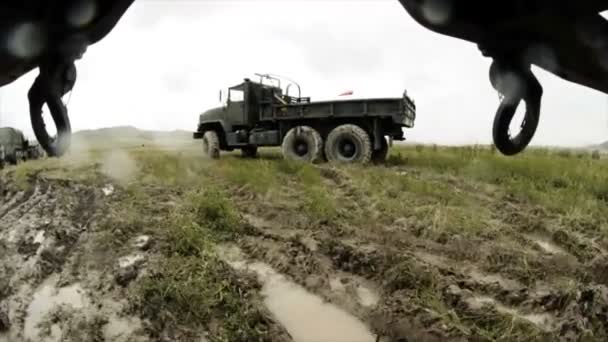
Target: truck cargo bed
<point x="396" y="107"/>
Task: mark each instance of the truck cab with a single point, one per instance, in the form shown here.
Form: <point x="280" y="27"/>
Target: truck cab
<point x="238" y="114"/>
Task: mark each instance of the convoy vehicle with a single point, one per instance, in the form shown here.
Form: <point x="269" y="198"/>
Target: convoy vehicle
<point x="259" y="114"/>
<point x="15" y="148"/>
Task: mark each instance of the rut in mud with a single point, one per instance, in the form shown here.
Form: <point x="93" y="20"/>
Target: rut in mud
<point x="180" y="249"/>
<point x="407" y="286"/>
<point x="54" y="287"/>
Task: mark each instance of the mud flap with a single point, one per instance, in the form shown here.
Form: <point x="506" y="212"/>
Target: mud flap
<point x="378" y="136"/>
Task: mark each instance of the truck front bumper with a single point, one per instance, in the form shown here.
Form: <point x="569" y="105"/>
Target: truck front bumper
<point x="197" y="135"/>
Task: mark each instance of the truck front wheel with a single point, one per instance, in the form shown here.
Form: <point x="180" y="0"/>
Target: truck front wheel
<point x="211" y="145"/>
<point x="303" y="143"/>
<point x="348" y="144"/>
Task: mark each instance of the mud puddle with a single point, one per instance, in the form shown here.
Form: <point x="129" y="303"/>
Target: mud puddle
<point x="121" y="328"/>
<point x="346" y="285"/>
<point x="306" y="316"/>
<point x="543" y="321"/>
<point x="367" y="297"/>
<point x="45" y="300"/>
<point x="547" y="246"/>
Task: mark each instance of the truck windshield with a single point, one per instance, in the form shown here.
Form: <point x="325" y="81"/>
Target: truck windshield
<point x="236" y="95"/>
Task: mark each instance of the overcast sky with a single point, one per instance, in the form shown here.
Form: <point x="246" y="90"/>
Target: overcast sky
<point x="165" y="62"/>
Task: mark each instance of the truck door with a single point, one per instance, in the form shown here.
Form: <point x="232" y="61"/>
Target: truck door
<point x="235" y="111"/>
<point x="252" y="104"/>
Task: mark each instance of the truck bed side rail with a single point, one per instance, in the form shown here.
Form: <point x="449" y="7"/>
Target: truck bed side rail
<point x="383" y="107"/>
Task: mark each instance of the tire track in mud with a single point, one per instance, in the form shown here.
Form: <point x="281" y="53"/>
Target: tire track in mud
<point x="298" y="254"/>
<point x="428" y="291"/>
<point x="47" y="295"/>
<point x="396" y="314"/>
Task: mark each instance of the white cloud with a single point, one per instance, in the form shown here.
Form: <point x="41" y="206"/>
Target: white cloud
<point x="166" y="60"/>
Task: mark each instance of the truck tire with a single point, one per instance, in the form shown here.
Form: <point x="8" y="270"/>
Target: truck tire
<point x="211" y="145"/>
<point x="249" y="151"/>
<point x="379" y="156"/>
<point x="18" y="158"/>
<point x="348" y="144"/>
<point x="303" y="143"/>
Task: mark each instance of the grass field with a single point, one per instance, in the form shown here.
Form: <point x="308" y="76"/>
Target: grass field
<point x="455" y="243"/>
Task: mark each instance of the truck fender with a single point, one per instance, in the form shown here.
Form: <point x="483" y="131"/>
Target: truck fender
<point x="219" y="126"/>
<point x="216" y="125"/>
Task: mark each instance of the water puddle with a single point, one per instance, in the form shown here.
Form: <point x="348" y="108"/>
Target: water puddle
<point x="335" y="284"/>
<point x="119" y="329"/>
<point x="310" y="243"/>
<point x="431" y="259"/>
<point x="141" y="242"/>
<point x="39" y="238"/>
<point x="306" y="316"/>
<point x="130" y="260"/>
<point x="486" y="279"/>
<point x="108" y="189"/>
<point x="547" y="246"/>
<point x="257" y="221"/>
<point x="367" y="297"/>
<point x="47" y="298"/>
<point x="543" y="321"/>
<point x="12" y="235"/>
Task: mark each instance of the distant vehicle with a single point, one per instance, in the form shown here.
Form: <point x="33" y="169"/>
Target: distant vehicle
<point x="15" y="148"/>
<point x="257" y="114"/>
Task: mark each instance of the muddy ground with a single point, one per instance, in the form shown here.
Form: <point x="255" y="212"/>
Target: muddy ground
<point x="86" y="259"/>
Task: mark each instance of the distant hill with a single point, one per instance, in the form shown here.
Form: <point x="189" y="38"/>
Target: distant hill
<point x="128" y="136"/>
<point x="602" y="147"/>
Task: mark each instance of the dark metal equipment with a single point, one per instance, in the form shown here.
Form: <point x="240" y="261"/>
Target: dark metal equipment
<point x="565" y="37"/>
<point x="51" y="36"/>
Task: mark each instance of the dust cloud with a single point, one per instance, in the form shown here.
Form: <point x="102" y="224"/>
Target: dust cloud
<point x="118" y="165"/>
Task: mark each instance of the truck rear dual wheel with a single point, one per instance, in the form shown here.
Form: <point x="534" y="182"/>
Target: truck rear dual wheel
<point x="303" y="143"/>
<point x="348" y="143"/>
<point x="211" y="145"/>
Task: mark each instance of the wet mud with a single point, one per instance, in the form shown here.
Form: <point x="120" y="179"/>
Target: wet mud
<point x="527" y="286"/>
<point x="53" y="287"/>
<point x="306" y="317"/>
<point x="320" y="280"/>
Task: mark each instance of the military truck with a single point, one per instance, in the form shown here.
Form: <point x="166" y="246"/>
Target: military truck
<point x="15" y="148"/>
<point x="259" y="114"/>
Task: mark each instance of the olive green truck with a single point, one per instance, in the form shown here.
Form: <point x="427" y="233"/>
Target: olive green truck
<point x="258" y="114"/>
<point x="15" y="148"/>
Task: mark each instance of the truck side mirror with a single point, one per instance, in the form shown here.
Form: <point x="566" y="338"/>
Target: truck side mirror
<point x="220" y="96"/>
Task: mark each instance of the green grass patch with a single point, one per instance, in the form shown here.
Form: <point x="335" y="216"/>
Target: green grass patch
<point x="191" y="286"/>
<point x="197" y="291"/>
